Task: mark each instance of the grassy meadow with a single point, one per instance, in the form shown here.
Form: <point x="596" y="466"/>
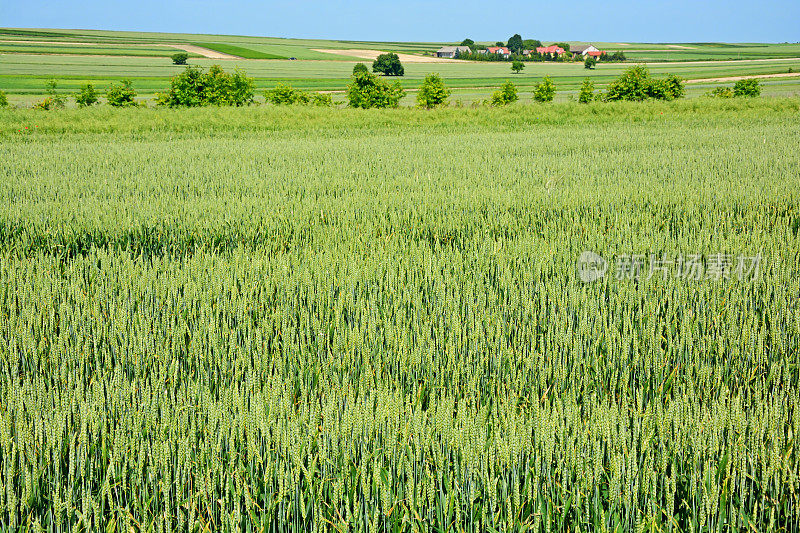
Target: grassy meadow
<point x="28" y="58"/>
<point x="303" y="319"/>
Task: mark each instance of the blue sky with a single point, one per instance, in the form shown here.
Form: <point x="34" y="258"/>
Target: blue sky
<point x="430" y="20"/>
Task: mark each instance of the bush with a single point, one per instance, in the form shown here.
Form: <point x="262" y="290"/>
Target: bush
<point x="635" y="84"/>
<point x="586" y="93"/>
<point x="284" y="94"/>
<point x="517" y="66"/>
<point x="87" y="96"/>
<point x="545" y="90"/>
<point x="388" y="65"/>
<point x="676" y="87"/>
<point x="54" y="100"/>
<point x="433" y="92"/>
<point x="720" y="92"/>
<point x="194" y="87"/>
<point x="321" y="100"/>
<point x="180" y="58"/>
<point x="589" y="62"/>
<point x="360" y="68"/>
<point x="3" y="99"/>
<point x="367" y="90"/>
<point x="506" y="95"/>
<point x="122" y="95"/>
<point x="747" y="88"/>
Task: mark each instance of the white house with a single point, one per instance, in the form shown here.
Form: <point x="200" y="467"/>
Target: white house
<point x="583" y="49"/>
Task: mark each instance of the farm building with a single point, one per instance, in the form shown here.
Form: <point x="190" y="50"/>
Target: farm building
<point x="499" y="50"/>
<point x="552" y="49"/>
<point x="586" y="50"/>
<point x="452" y="51"/>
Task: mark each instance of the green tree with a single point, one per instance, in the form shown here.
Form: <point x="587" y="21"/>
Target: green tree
<point x="433" y="92"/>
<point x="122" y="95"/>
<point x="544" y="90"/>
<point x="87" y="96"/>
<point x="367" y="91"/>
<point x="359" y="68"/>
<point x="180" y="58"/>
<point x="506" y="95"/>
<point x="586" y="93"/>
<point x="517" y="66"/>
<point x="3" y="99"/>
<point x="388" y="65"/>
<point x="748" y="88"/>
<point x="468" y="42"/>
<point x="565" y="46"/>
<point x="589" y="62"/>
<point x="531" y="44"/>
<point x="499" y="43"/>
<point x="515" y="45"/>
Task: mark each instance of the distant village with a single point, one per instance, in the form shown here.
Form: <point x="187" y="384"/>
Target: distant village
<point x="518" y="49"/>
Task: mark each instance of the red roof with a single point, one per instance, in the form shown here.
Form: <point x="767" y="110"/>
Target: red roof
<point x="595" y="53"/>
<point x="498" y="50"/>
<point x="552" y="49"/>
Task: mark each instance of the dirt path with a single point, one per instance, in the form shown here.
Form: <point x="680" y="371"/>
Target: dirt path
<point x="749" y="77"/>
<point x="373" y="54"/>
<point x="194" y="49"/>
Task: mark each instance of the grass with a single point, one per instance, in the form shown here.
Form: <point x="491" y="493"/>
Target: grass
<point x="107" y="50"/>
<point x="287" y="319"/>
<point x="24" y="73"/>
<point x="245" y="53"/>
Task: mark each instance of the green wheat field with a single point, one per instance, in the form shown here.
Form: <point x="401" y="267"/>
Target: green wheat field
<point x="269" y="319"/>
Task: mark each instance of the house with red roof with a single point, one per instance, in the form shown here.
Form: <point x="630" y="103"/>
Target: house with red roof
<point x="552" y="49"/>
<point x="499" y="50"/>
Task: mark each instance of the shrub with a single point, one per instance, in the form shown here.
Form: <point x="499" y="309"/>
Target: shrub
<point x="87" y="96"/>
<point x="517" y="66"/>
<point x="54" y="100"/>
<point x="194" y="87"/>
<point x="3" y="99"/>
<point x="360" y="68"/>
<point x="388" y="65"/>
<point x="321" y="100"/>
<point x="545" y="90"/>
<point x="122" y="95"/>
<point x="506" y="95"/>
<point x="589" y="62"/>
<point x="747" y="88"/>
<point x="635" y="84"/>
<point x="586" y="94"/>
<point x="720" y="92"/>
<point x="676" y="87"/>
<point x="433" y="92"/>
<point x="367" y="90"/>
<point x="284" y="94"/>
<point x="180" y="58"/>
